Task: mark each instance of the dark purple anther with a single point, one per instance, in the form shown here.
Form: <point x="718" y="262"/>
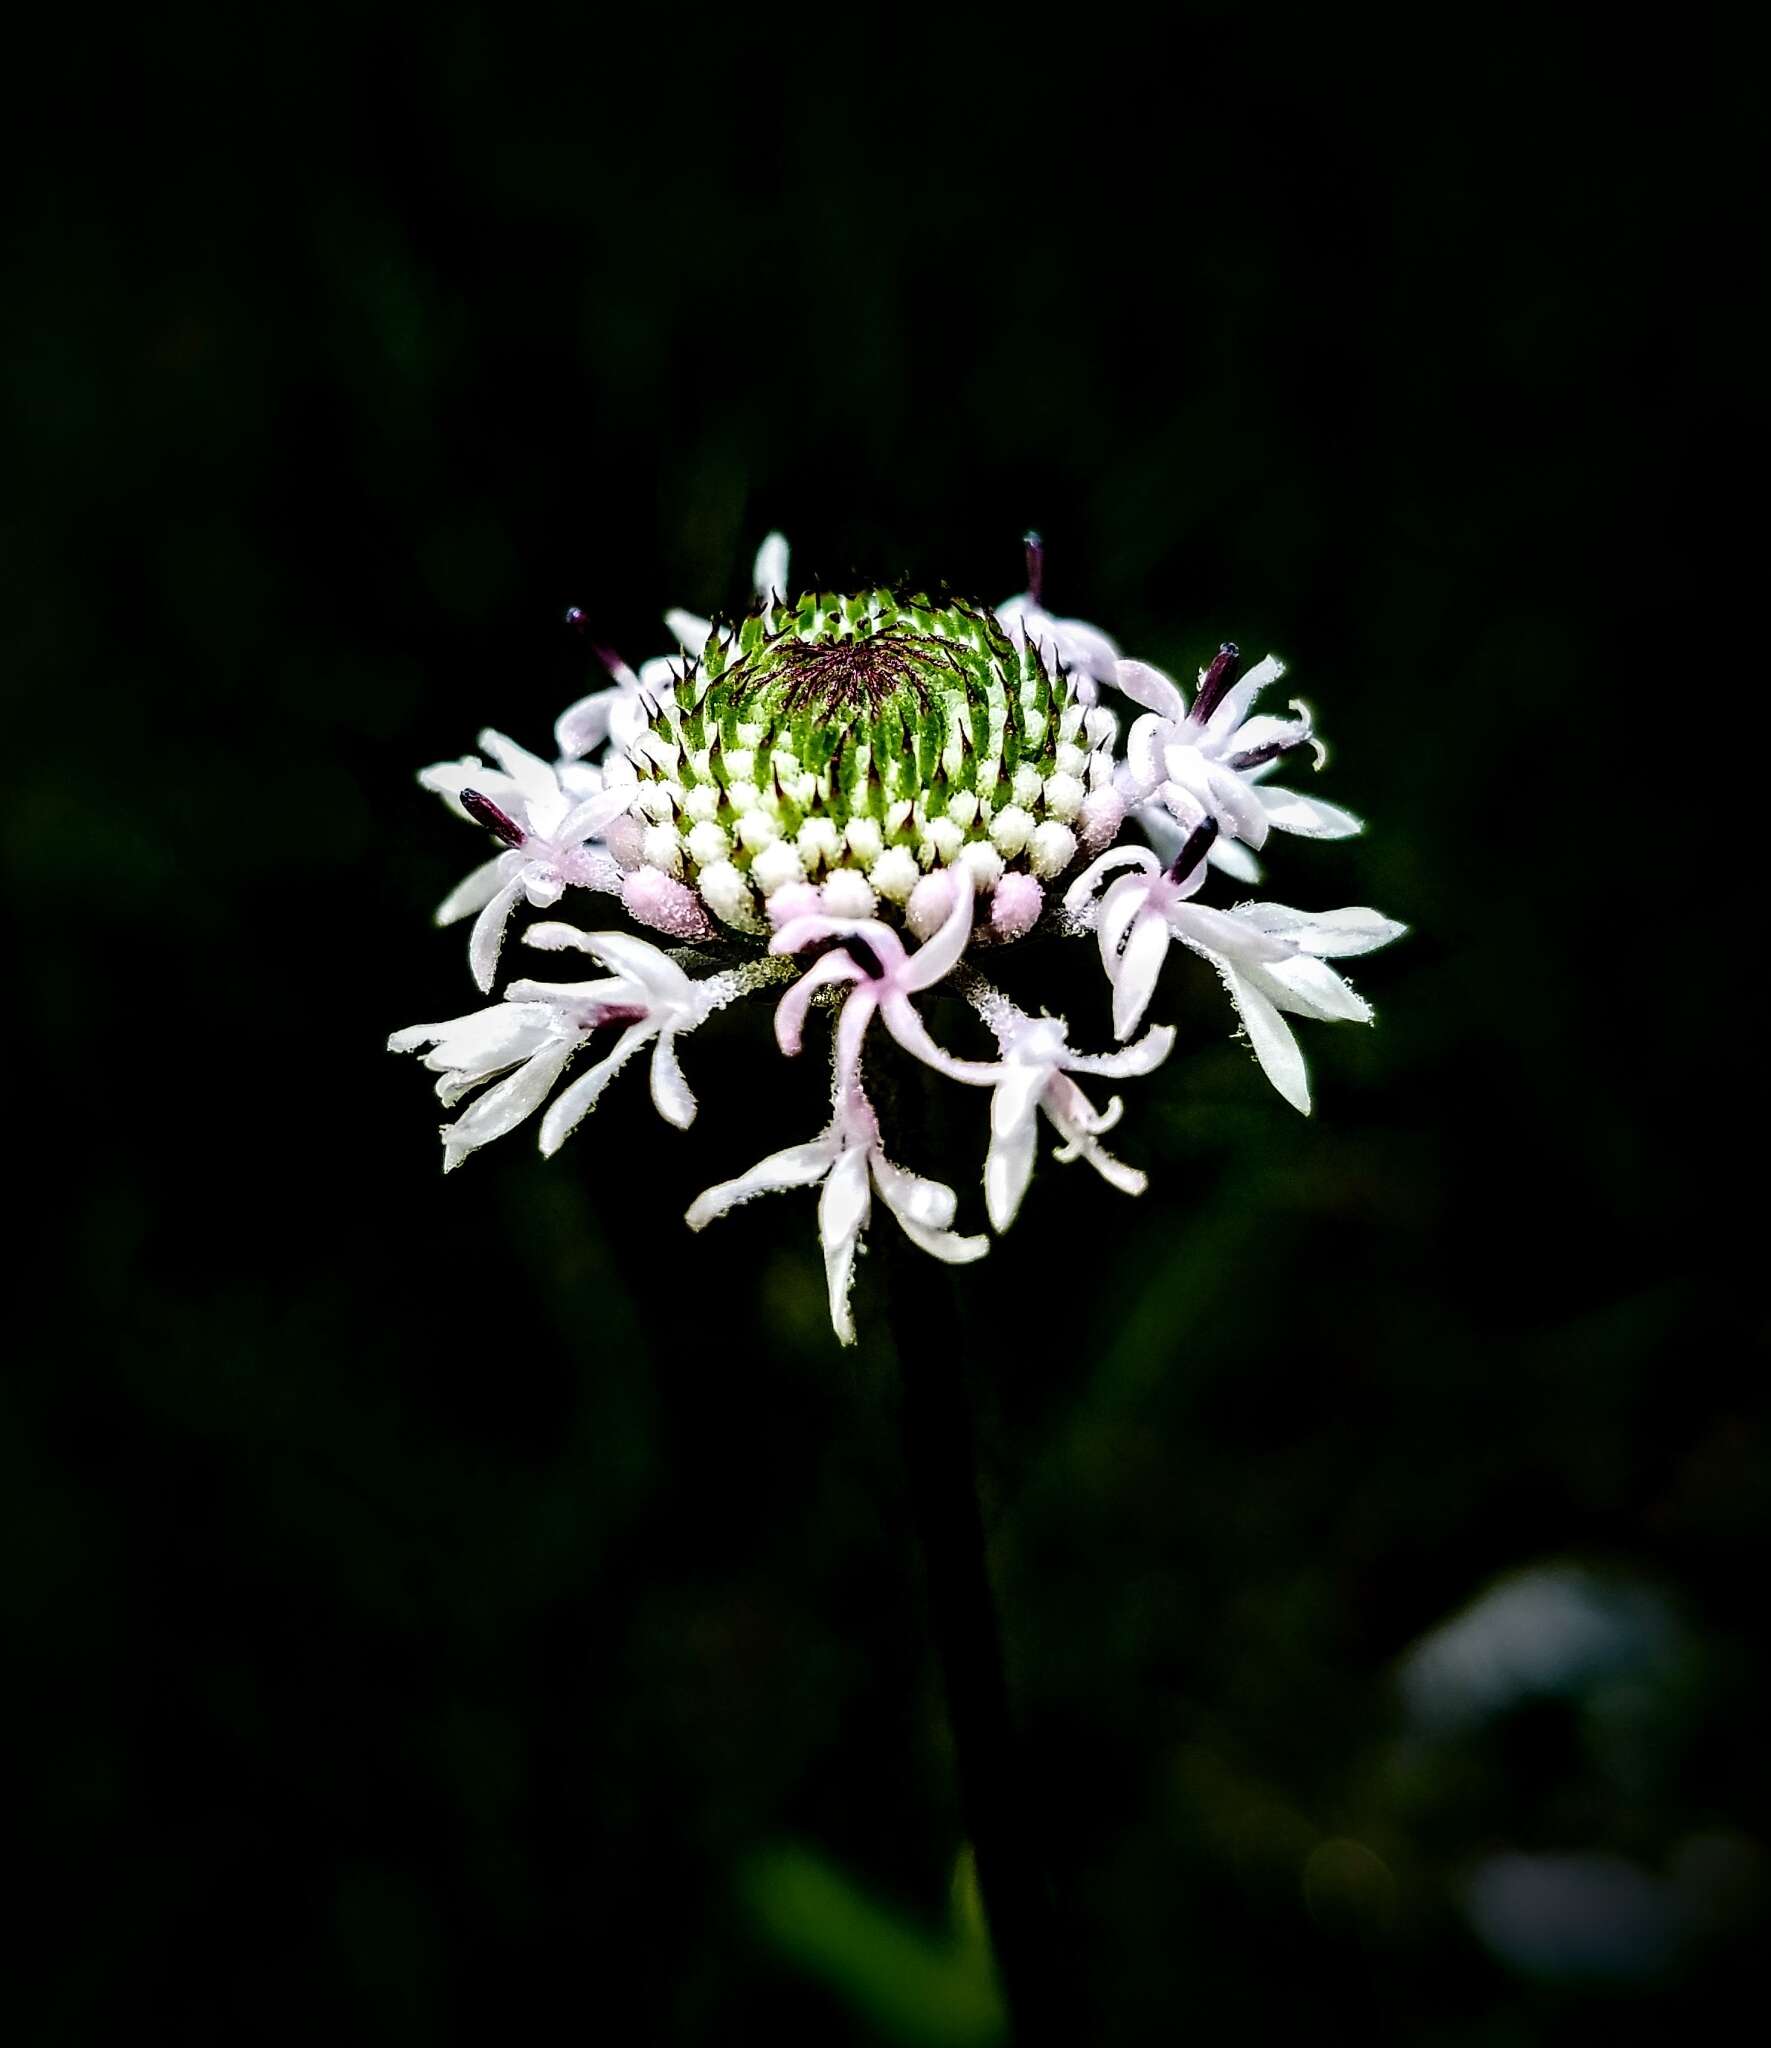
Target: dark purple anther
<point x="577" y="617"/>
<point x="1215" y="681"/>
<point x="1194" y="848"/>
<point x="483" y="811"/>
<point x="1257" y="757"/>
<point x="1035" y="567"/>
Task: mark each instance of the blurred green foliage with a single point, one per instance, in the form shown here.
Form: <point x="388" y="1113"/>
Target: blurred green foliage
<point x="432" y="1601"/>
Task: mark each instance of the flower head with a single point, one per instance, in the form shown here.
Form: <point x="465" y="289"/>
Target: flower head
<point x="859" y="799"/>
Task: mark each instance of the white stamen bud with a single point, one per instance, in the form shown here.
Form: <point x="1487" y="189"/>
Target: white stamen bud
<point x="894" y="874"/>
<point x="942" y="840"/>
<point x="662" y="847"/>
<point x="756" y="829"/>
<point x="962" y="808"/>
<point x="1027" y="785"/>
<point x="741" y="765"/>
<point x="775" y="866"/>
<point x="1063" y="796"/>
<point x="1010" y="830"/>
<point x="985" y="864"/>
<point x="866" y="841"/>
<point x="744" y="796"/>
<point x="727" y="894"/>
<point x="818" y="841"/>
<point x="846" y="894"/>
<point x="708" y="842"/>
<point x="701" y="804"/>
<point x="930" y="902"/>
<point x="1052" y="851"/>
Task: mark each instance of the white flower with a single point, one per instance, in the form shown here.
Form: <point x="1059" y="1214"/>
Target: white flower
<point x="1269" y="957"/>
<point x="532" y="1035"/>
<point x="768" y="579"/>
<point x="1037" y="1064"/>
<point x="1084" y="651"/>
<point x="884" y="979"/>
<point x="1207" y="761"/>
<point x="847" y="1157"/>
<point x="545" y="831"/>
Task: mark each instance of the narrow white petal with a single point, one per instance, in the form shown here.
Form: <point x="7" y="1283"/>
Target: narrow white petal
<point x="473" y="893"/>
<point x="1143" y="1058"/>
<point x="1233" y="705"/>
<point x="1125" y="899"/>
<point x="595" y="814"/>
<point x="769" y="577"/>
<point x="583" y="727"/>
<point x="1270" y="1036"/>
<point x="1080" y="892"/>
<point x="488" y="932"/>
<point x="1287" y="811"/>
<point x="671" y="1093"/>
<point x="1151" y="688"/>
<point x="576" y="1101"/>
<point x="1008" y="1168"/>
<point x="798" y="1166"/>
<point x="502" y="1108"/>
<point x="1310" y="988"/>
<point x="1234" y="859"/>
<point x="843" y="1209"/>
<point x="911" y="1197"/>
<point x="690" y="631"/>
<point x="1139" y="965"/>
<point x="532" y="775"/>
<point x="944" y="1245"/>
<point x="1330" y="934"/>
<point x="1224" y="932"/>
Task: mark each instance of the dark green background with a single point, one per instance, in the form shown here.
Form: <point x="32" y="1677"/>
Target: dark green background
<point x="431" y="1599"/>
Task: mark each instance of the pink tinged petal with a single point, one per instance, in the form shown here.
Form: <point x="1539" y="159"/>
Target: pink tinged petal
<point x="798" y="1166"/>
<point x="585" y="867"/>
<point x="584" y="725"/>
<point x="671" y="1093"/>
<point x="902" y="1021"/>
<point x="1224" y="933"/>
<point x="851" y="1029"/>
<point x="1142" y="1058"/>
<point x="1270" y="1036"/>
<point x="501" y="1109"/>
<point x="1151" y="688"/>
<point x="1015" y="905"/>
<point x="790" y="1012"/>
<point x="938" y="955"/>
<point x="1135" y="981"/>
<point x="472" y="894"/>
<point x="543" y="884"/>
<point x="1308" y="815"/>
<point x="1082" y="1144"/>
<point x="801" y="932"/>
<point x="1081" y="892"/>
<point x="488" y="933"/>
<point x="1069" y="1108"/>
<point x="577" y="1101"/>
<point x="654" y="898"/>
<point x="843" y="1210"/>
<point x="625" y="839"/>
<point x="1311" y="988"/>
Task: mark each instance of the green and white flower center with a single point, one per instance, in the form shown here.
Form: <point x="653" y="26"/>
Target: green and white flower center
<point x="869" y="736"/>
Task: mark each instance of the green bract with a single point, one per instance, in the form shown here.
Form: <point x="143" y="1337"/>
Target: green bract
<point x="877" y="733"/>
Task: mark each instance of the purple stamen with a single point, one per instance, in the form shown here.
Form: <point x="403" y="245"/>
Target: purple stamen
<point x="1255" y="757"/>
<point x="609" y="658"/>
<point x="483" y="811"/>
<point x="1035" y="567"/>
<point x="1194" y="848"/>
<point x="864" y="958"/>
<point x="577" y="618"/>
<point x="1215" y="681"/>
